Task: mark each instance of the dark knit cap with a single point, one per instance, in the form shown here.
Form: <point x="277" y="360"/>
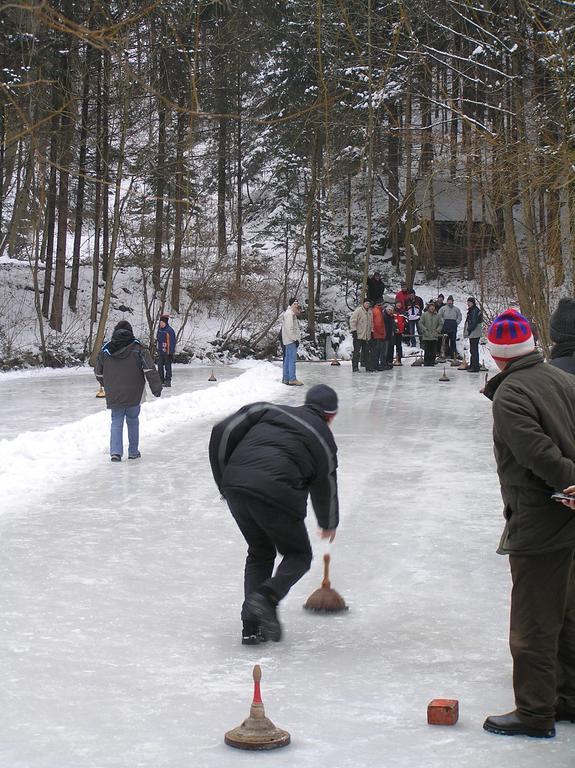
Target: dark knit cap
<point x="123" y="325"/>
<point x="292" y="300"/>
<point x="323" y="396"/>
<point x="562" y="322"/>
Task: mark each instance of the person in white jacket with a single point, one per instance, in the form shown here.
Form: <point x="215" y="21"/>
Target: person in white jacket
<point x="291" y="337"/>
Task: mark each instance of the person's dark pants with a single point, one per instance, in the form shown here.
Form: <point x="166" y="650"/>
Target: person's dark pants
<point x="165" y="367"/>
<point x="360" y="349"/>
<point x="451" y="343"/>
<point x="267" y="531"/>
<point x="412" y="332"/>
<point x="380" y="354"/>
<point x="474" y="354"/>
<point x="390" y="349"/>
<point x="429" y="349"/>
<point x="398" y="347"/>
<point x="542" y="633"/>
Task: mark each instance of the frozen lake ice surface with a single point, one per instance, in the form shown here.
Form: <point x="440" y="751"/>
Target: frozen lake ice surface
<point x="121" y="584"/>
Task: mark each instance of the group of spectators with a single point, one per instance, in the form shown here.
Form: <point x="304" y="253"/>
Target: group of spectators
<point x="380" y="326"/>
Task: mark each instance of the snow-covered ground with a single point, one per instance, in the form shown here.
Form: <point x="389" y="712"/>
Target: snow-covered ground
<point x="120" y="584"/>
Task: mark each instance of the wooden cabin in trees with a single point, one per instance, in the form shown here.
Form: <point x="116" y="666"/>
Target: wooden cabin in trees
<point x="455" y="227"/>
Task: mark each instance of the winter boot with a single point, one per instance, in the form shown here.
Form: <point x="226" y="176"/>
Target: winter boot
<point x="252" y="633"/>
<point x="264" y="609"/>
<point x="167" y="383"/>
<point x="115" y="457"/>
<point x="137" y="455"/>
<point x="514" y="724"/>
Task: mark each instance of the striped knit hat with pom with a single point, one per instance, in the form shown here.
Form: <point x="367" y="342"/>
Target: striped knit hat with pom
<point x="510" y="336"/>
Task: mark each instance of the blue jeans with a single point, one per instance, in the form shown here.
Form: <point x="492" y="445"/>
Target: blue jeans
<point x="117" y="428"/>
<point x="290" y="357"/>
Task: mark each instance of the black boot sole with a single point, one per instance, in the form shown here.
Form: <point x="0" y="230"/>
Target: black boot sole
<point x="524" y="730"/>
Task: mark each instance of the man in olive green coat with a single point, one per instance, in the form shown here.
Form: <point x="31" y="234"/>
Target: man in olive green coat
<point x="533" y="433"/>
<point x="430" y="329"/>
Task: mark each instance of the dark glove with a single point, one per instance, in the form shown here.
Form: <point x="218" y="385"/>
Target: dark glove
<point x="171" y="358"/>
<point x="354" y="334"/>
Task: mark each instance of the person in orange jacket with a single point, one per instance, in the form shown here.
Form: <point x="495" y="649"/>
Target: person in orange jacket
<point x="379" y="339"/>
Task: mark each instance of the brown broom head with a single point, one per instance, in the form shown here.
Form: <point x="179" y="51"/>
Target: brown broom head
<point x="325" y="599"/>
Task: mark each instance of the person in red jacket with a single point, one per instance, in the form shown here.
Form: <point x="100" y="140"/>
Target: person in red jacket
<point x="402" y="296"/>
<point x="379" y="339"/>
<point x="400" y="323"/>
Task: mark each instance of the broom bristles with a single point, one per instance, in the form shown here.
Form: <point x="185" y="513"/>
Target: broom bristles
<point x="325" y="599"/>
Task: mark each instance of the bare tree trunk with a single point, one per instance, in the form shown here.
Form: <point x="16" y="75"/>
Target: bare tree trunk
<point x="239" y="179"/>
<point x="51" y="223"/>
<point x="393" y="180"/>
<point x="178" y="211"/>
<point x="318" y="225"/>
<point x="66" y="128"/>
<point x="115" y="231"/>
<point x="73" y="297"/>
<point x="410" y="262"/>
<point x="308" y="234"/>
<point x="106" y="163"/>
<point x="2" y="162"/>
<point x="97" y="204"/>
<point x="370" y="140"/>
<point x="160" y="186"/>
<point x="222" y="162"/>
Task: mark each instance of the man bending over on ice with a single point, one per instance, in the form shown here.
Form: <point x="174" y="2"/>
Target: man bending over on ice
<point x="266" y="459"/>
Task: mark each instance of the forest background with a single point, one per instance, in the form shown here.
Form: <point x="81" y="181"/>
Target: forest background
<point x="215" y="156"/>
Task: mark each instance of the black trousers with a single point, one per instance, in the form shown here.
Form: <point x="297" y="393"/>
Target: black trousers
<point x="267" y="531"/>
<point x="429" y="349"/>
<point x="165" y="367"/>
<point x="361" y="349"/>
<point x="474" y="354"/>
<point x="542" y="633"/>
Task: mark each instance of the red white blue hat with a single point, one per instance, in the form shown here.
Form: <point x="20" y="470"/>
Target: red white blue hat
<point x="510" y="336"/>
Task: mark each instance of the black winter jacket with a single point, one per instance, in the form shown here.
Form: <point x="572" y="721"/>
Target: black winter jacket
<point x="534" y="443"/>
<point x="278" y="454"/>
<point x="121" y="368"/>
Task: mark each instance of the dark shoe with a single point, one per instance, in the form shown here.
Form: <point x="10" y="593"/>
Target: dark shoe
<point x="512" y="724"/>
<point x="167" y="383"/>
<point x="252" y="633"/>
<point x="263" y="609"/>
<point x="472" y="370"/>
<point x="116" y="457"/>
<point x="564" y="715"/>
<point x="137" y="455"/>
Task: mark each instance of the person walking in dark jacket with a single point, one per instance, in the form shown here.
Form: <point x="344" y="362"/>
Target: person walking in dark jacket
<point x="472" y="330"/>
<point x="122" y="368"/>
<point x="562" y="333"/>
<point x="266" y="459"/>
<point x="375" y="288"/>
<point x="166" y="343"/>
<point x="533" y="428"/>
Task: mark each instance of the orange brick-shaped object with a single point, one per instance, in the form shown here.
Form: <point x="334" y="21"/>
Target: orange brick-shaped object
<point x="443" y="712"/>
